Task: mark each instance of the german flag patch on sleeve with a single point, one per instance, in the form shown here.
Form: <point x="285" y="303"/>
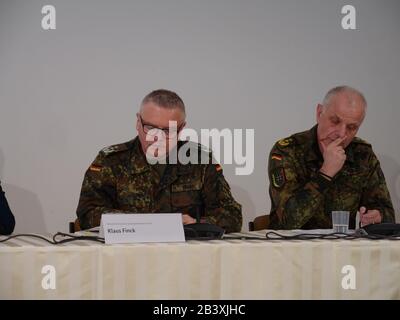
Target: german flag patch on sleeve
<point x="277" y="157"/>
<point x="95" y="168"/>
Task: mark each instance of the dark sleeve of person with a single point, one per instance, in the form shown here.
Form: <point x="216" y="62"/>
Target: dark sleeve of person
<point x="293" y="200"/>
<point x="7" y="221"/>
<point x="98" y="194"/>
<point x="376" y="194"/>
<point x="220" y="206"/>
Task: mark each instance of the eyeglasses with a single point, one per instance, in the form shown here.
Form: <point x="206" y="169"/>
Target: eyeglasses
<point x="152" y="130"/>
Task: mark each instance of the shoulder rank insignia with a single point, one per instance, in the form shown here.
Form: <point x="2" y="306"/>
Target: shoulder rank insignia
<point x="278" y="177"/>
<point x="114" y="148"/>
<point x="117" y="148"/>
<point x="285" y="142"/>
<point x="108" y="150"/>
<point x="360" y="141"/>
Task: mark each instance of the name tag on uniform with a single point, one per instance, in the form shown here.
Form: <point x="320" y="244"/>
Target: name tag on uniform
<point x="139" y="227"/>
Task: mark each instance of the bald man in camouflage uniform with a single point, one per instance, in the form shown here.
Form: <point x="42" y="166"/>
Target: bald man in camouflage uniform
<point x="326" y="169"/>
<point x="122" y="180"/>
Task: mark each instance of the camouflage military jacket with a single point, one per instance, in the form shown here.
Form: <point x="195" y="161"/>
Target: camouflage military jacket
<point x="301" y="198"/>
<point x="121" y="180"/>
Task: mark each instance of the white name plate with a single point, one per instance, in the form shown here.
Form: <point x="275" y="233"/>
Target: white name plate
<point x="142" y="227"/>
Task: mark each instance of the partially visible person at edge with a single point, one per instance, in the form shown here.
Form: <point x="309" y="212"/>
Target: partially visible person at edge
<point x="7" y="220"/>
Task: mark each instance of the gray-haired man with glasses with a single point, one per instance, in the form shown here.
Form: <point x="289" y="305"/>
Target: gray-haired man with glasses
<point x="146" y="175"/>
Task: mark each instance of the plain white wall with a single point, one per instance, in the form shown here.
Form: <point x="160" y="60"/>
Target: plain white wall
<point x="67" y="93"/>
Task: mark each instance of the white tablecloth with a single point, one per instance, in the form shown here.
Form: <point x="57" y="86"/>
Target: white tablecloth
<point x="219" y="269"/>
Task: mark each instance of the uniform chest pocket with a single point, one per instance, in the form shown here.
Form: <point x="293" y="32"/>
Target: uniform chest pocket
<point x="347" y="191"/>
<point x="133" y="197"/>
<point x="186" y="193"/>
<point x="353" y="180"/>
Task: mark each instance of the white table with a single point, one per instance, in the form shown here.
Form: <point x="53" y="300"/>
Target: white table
<point x="219" y="269"/>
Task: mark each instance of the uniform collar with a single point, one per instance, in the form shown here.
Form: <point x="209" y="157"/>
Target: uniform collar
<point x="140" y="164"/>
<point x="312" y="149"/>
<point x="138" y="158"/>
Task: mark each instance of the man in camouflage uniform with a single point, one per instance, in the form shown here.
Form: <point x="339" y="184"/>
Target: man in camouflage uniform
<point x="121" y="178"/>
<point x="327" y="168"/>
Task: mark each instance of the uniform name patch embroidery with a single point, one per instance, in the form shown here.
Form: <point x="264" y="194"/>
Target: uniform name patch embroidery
<point x="278" y="177"/>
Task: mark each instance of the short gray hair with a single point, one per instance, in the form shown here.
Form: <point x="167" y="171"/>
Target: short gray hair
<point x="166" y="99"/>
<point x="343" y="89"/>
